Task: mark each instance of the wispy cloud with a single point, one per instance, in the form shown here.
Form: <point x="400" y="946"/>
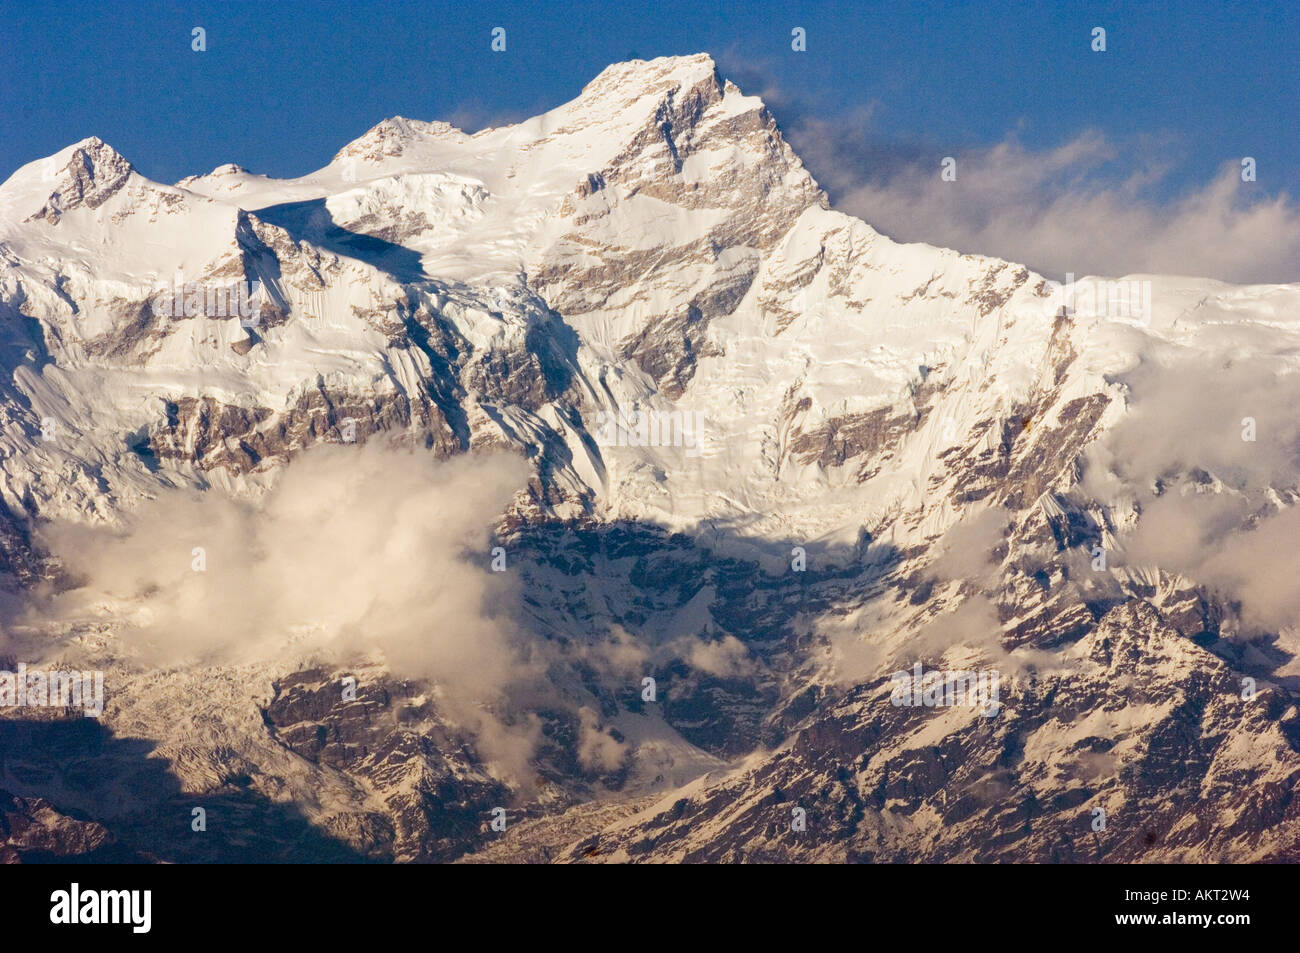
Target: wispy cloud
<point x="1062" y="209"/>
<point x="1090" y="205"/>
<point x="1212" y="505"/>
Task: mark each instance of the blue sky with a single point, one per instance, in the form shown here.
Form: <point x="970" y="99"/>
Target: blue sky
<point x="1181" y="89"/>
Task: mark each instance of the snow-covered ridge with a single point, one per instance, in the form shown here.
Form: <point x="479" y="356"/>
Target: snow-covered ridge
<point x="653" y="243"/>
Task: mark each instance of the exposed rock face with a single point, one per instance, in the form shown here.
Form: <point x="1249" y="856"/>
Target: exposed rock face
<point x="32" y="831"/>
<point x="92" y="176"/>
<point x="991" y="791"/>
<point x="238" y="440"/>
<point x="683" y="159"/>
<point x="881" y="459"/>
<point x="431" y="785"/>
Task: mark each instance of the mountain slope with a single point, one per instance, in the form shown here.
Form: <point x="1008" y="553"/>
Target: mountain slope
<point x="773" y="455"/>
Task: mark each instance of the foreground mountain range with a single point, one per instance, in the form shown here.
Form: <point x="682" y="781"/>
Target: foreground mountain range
<point x="571" y="491"/>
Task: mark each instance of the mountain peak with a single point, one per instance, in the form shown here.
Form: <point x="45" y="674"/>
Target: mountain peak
<point x="643" y="77"/>
<point x="97" y="147"/>
<point x="694" y="65"/>
<point x="87" y="173"/>
<point x="391" y="137"/>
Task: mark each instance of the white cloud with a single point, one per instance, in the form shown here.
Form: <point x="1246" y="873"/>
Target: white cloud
<point x="1084" y="207"/>
<point x="597" y="749"/>
<point x="354" y="552"/>
<point x="967" y="548"/>
<point x="1212" y="506"/>
<point x="353" y="549"/>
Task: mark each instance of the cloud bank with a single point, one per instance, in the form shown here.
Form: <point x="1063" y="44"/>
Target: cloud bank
<point x="1091" y="205"/>
<point x="1208" y="458"/>
<point x="352" y="550"/>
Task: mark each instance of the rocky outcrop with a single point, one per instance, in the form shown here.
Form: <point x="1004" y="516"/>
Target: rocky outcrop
<point x="32" y="831"/>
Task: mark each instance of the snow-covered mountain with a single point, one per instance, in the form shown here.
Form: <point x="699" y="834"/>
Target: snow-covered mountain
<point x="773" y="457"/>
